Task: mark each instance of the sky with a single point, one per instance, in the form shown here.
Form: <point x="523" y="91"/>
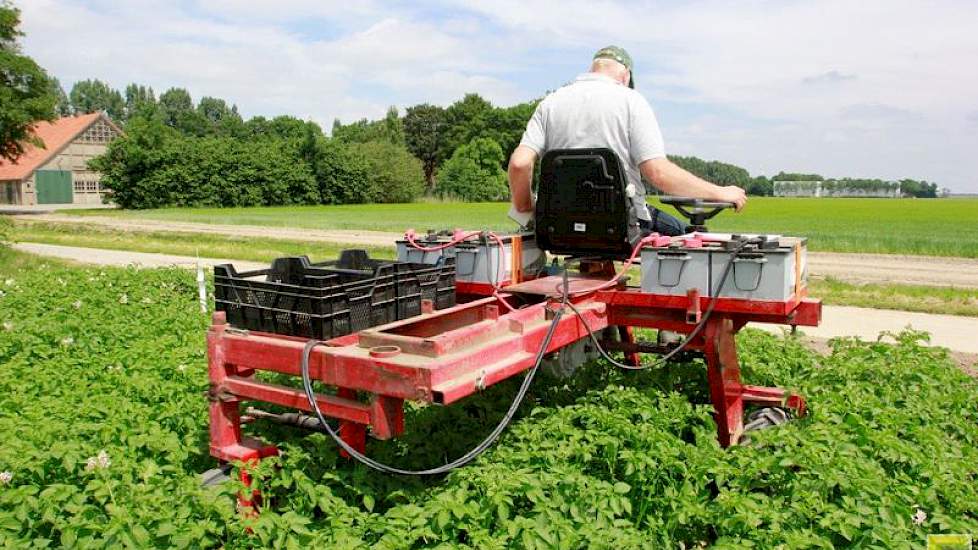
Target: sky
<point x="875" y="88"/>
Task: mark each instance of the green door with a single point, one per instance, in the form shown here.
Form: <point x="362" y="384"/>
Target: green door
<point x="53" y="186"/>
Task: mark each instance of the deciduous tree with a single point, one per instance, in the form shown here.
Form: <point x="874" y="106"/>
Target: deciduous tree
<point x="92" y="96"/>
<point x="26" y="92"/>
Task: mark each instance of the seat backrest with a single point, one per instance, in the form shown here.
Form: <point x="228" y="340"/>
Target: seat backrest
<point x="582" y="205"/>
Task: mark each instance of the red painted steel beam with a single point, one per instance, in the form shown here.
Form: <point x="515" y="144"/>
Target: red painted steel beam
<point x="261" y="352"/>
<point x="330" y="405"/>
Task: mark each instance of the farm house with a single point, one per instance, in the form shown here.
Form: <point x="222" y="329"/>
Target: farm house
<point x="58" y="173"/>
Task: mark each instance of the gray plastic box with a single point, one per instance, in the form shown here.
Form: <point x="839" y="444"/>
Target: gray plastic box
<point x="674" y="271"/>
<point x="475" y="262"/>
<point x="772" y="274"/>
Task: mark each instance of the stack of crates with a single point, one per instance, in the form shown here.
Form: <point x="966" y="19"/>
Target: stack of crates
<point x="329" y="299"/>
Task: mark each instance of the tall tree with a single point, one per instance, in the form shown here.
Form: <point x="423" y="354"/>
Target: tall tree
<point x="140" y="100"/>
<point x="284" y="127"/>
<point x="175" y="106"/>
<point x="467" y="119"/>
<point x="62" y="107"/>
<point x="394" y="126"/>
<point x="26" y="94"/>
<point x="224" y="120"/>
<point x="215" y="110"/>
<point x="91" y="96"/>
<point x="423" y="129"/>
<point x="508" y="125"/>
<point x="390" y="129"/>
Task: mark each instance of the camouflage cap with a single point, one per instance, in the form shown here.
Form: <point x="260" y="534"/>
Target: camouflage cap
<point x="620" y="55"/>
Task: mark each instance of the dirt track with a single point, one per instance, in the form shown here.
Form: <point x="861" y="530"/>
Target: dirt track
<point x="955" y="333"/>
<point x="856" y="268"/>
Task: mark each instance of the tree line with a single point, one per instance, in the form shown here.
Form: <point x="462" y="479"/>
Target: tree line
<point x="176" y="152"/>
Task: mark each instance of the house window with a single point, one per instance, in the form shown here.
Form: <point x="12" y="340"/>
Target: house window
<point x="88" y="185"/>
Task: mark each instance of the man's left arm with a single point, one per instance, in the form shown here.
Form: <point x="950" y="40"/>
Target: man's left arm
<point x="521" y="176"/>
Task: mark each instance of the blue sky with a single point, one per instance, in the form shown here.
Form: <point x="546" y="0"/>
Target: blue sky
<point x="864" y="89"/>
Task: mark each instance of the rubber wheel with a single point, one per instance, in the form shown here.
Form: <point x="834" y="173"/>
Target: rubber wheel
<point x="215" y="476"/>
<point x="762" y="419"/>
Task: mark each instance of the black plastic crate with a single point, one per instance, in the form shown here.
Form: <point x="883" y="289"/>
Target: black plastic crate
<point x="412" y="281"/>
<point x="335" y="307"/>
<point x="329" y="299"/>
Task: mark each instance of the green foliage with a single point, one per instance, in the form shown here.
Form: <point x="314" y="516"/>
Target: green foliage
<point x="27" y="94"/>
<point x="713" y="171"/>
<point x="422" y="126"/>
<point x="788" y="176"/>
<point x="151" y="168"/>
<point x="341" y="174"/>
<point x="140" y="101"/>
<point x="95" y="361"/>
<point x="474" y="173"/>
<point x="285" y="128"/>
<point x="467" y="119"/>
<point x="760" y="187"/>
<point x="223" y="120"/>
<point x="919" y="189"/>
<point x="393" y="174"/>
<point x="606" y="459"/>
<point x="92" y="96"/>
<point x="6" y="230"/>
<point x="177" y="109"/>
<point x="389" y="129"/>
<point x="62" y="105"/>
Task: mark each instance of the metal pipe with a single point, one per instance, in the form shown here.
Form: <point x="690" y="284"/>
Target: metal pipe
<point x="297" y="420"/>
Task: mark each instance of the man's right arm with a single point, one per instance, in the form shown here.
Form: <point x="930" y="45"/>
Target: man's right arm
<point x="674" y="180"/>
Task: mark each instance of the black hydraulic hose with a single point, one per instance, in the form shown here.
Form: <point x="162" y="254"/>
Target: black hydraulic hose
<point x="444" y="468"/>
<point x="520" y="394"/>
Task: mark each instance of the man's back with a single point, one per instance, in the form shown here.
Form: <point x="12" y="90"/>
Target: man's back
<point x="601" y="109"/>
<point x="595" y="111"/>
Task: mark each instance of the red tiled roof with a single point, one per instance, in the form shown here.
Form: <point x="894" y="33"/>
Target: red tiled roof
<point x="55" y="135"/>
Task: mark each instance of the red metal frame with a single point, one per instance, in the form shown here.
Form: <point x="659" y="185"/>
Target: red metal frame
<point x="443" y="356"/>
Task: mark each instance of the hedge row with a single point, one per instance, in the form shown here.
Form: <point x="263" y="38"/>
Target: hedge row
<point x="154" y="167"/>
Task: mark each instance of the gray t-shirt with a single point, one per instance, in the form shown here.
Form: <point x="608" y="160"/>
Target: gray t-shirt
<point x="597" y="111"/>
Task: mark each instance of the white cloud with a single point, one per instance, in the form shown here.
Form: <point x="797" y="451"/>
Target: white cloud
<point x="251" y="57"/>
<point x="802" y="74"/>
<point x="875" y="88"/>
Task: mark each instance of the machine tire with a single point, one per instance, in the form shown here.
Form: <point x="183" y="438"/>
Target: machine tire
<point x="762" y="419"/>
<point x="216" y="476"/>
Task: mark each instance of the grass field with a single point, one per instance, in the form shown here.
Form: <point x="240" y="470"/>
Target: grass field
<point x="946" y="227"/>
<point x="899" y="297"/>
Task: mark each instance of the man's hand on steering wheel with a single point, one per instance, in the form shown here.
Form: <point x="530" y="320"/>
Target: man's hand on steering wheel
<point x="734" y="194"/>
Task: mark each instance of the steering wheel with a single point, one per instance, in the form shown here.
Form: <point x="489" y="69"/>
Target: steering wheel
<point x="697" y="211"/>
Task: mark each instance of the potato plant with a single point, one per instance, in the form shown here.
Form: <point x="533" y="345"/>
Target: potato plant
<point x="104" y="423"/>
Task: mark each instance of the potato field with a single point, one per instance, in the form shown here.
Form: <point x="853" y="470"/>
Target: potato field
<point x="104" y="428"/>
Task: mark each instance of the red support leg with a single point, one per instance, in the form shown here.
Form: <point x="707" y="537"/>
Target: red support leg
<point x="227" y="443"/>
<point x="353" y="433"/>
<point x="628" y="336"/>
<point x="723" y="372"/>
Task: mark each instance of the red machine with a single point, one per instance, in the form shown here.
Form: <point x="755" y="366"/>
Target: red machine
<point x="443" y="356"/>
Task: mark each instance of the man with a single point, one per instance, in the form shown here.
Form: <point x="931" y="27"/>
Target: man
<point x="602" y="109"/>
